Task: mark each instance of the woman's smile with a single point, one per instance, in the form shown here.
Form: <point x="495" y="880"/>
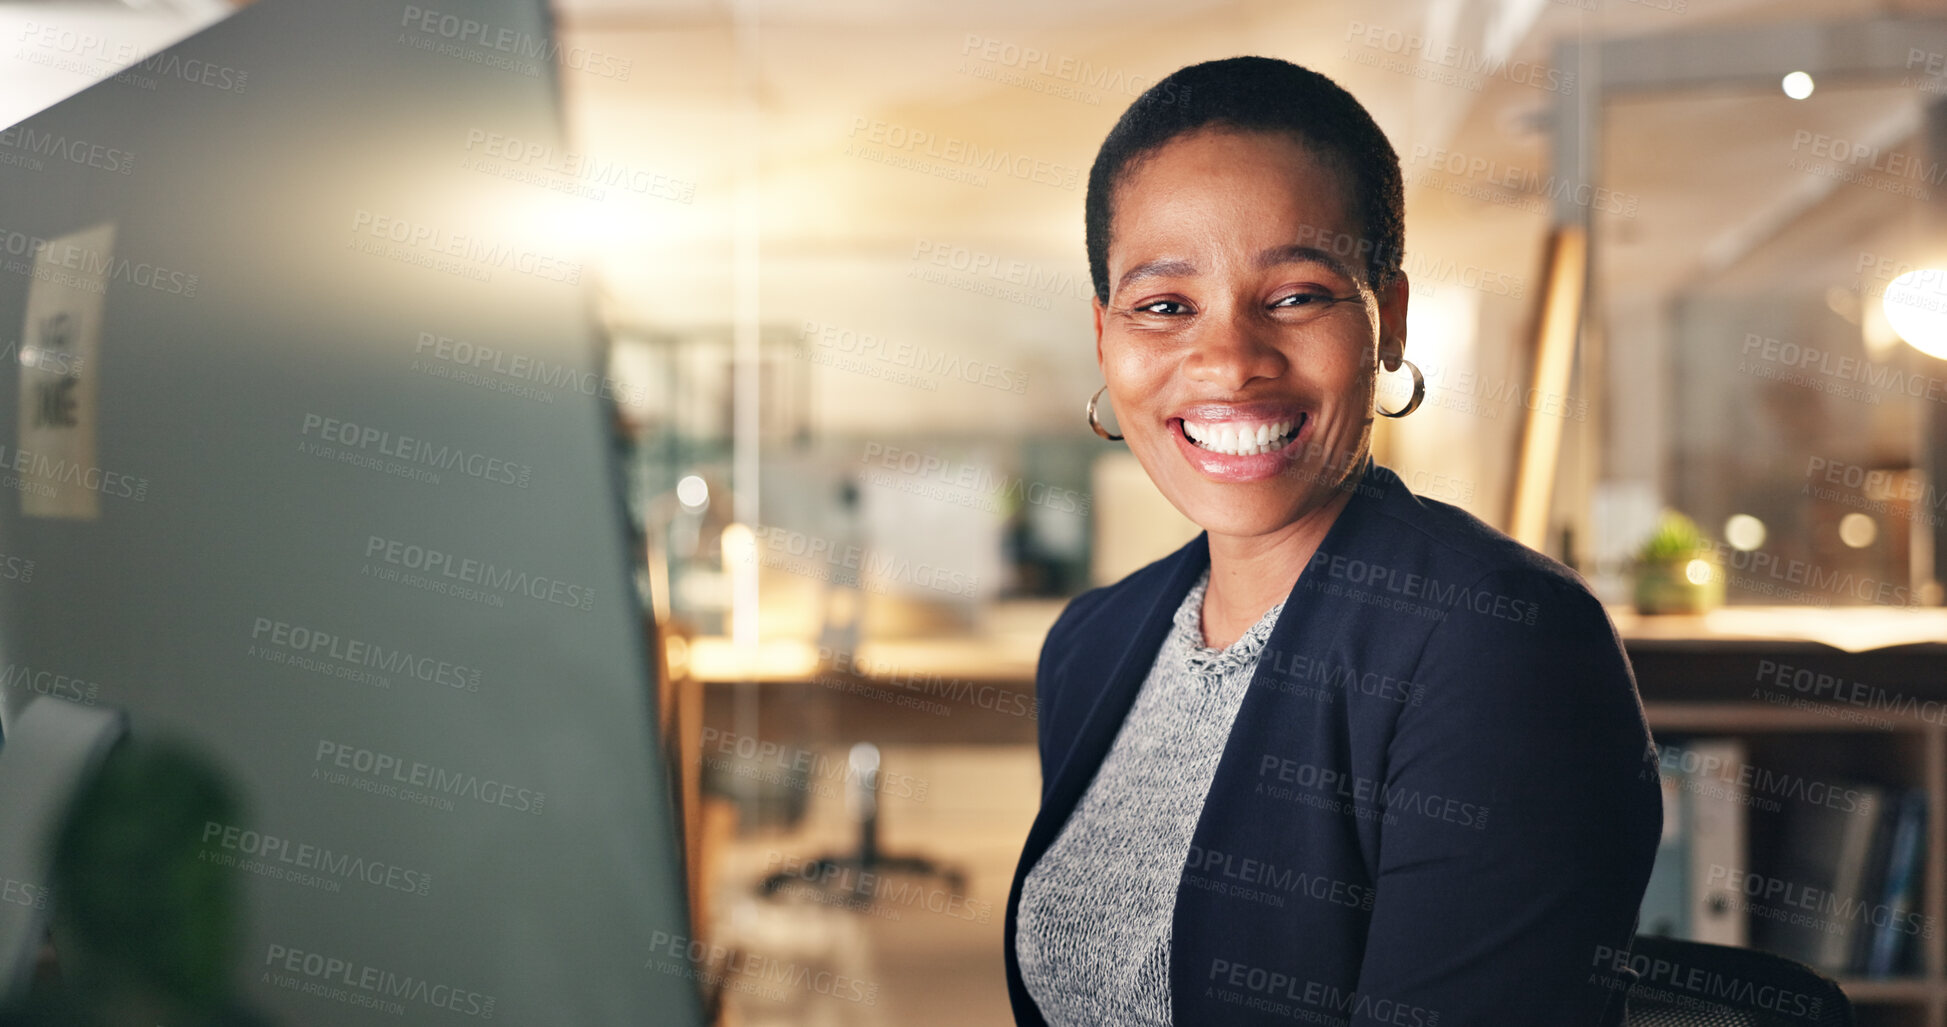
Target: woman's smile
<point x="1240" y="442"/>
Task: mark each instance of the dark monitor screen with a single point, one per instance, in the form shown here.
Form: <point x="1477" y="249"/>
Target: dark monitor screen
<point x="313" y="464"/>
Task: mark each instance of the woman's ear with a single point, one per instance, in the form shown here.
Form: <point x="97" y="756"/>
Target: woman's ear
<point x="1096" y="304"/>
<point x="1392" y="321"/>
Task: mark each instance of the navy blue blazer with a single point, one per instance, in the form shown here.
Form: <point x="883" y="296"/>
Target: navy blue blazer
<point x="1438" y="804"/>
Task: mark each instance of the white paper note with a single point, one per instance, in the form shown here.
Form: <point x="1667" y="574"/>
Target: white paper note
<point x="59" y="371"/>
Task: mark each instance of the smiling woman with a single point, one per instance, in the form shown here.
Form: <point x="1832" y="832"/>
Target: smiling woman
<point x="1350" y="755"/>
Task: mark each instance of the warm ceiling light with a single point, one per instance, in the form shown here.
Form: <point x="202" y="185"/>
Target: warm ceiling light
<point x="1916" y="307"/>
<point x="1744" y="532"/>
<point x="693" y="492"/>
<point x="1798" y="85"/>
<point x="1857" y="530"/>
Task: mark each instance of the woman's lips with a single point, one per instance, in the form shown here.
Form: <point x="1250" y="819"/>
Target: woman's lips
<point x="1228" y="449"/>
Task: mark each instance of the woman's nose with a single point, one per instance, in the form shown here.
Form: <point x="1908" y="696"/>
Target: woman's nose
<point x="1229" y="351"/>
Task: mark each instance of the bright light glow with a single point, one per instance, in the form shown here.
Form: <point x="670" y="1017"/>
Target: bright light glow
<point x="739" y="545"/>
<point x="1442" y="324"/>
<point x="693" y="492"/>
<point x="1698" y="571"/>
<point x="1916" y="307"/>
<point x="1744" y="532"/>
<point x="1798" y="85"/>
<point x="1876" y="332"/>
<point x="717" y="658"/>
<point x="1858" y="530"/>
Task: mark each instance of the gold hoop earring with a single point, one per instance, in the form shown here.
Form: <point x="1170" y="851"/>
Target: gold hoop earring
<point x="1419" y="393"/>
<point x="1095" y="424"/>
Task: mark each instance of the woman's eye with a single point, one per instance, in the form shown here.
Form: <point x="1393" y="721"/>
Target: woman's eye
<point x="1304" y="299"/>
<point x="1161" y="307"/>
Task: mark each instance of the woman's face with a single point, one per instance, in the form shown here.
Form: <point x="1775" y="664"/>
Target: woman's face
<point x="1240" y="338"/>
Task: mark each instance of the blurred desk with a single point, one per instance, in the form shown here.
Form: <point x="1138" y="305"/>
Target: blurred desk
<point x="978" y="687"/>
<point x="716" y="660"/>
<point x="1726" y="655"/>
<point x="1852" y="629"/>
<point x="974" y="688"/>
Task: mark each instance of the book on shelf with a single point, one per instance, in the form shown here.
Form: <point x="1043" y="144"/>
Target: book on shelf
<point x="1692" y="890"/>
<point x="1716" y="819"/>
<point x="1840" y="888"/>
<point x="1837" y="941"/>
<point x="1873" y="880"/>
<point x="1847" y="879"/>
<point x="1897" y="922"/>
<point x="1666" y="901"/>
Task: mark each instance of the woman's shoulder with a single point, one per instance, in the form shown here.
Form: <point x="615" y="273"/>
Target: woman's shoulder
<point x="1438" y="558"/>
<point x="1447" y="537"/>
<point x="1496" y="618"/>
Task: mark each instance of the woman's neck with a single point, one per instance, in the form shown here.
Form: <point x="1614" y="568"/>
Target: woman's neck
<point x="1250" y="574"/>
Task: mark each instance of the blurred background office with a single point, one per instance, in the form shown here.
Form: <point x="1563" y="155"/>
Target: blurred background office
<point x="1677" y="292"/>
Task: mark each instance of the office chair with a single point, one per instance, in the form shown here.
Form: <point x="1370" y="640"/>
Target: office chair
<point x="1693" y="984"/>
<point x="849" y="878"/>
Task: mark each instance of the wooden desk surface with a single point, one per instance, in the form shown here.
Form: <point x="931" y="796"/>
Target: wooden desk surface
<point x="1716" y="658"/>
<point x="1011" y="642"/>
<point x="1853" y="629"/>
<point x="1004" y="649"/>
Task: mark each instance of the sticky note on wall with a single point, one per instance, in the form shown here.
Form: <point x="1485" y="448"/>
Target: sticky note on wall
<point x="54" y="464"/>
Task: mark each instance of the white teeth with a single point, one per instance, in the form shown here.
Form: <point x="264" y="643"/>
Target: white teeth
<point x="1240" y="440"/>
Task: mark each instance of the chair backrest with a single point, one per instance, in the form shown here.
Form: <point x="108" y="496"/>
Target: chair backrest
<point x="49" y="748"/>
<point x="1693" y="984"/>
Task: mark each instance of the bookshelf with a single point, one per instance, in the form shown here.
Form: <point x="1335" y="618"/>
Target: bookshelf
<point x="1703" y="679"/>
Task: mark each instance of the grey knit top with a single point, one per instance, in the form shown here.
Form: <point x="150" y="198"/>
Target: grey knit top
<point x="1093" y="925"/>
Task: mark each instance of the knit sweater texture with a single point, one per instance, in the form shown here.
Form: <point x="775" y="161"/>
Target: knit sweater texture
<point x="1094" y="921"/>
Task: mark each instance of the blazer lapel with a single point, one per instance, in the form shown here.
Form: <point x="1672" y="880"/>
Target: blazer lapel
<point x="1112" y="704"/>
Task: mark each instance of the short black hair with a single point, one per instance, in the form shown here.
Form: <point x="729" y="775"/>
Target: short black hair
<point x="1261" y="94"/>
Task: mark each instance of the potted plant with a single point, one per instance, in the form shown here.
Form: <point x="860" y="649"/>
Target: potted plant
<point x="1677" y="570"/>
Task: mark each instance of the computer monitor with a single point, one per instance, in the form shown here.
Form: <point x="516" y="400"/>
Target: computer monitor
<point x="314" y="465"/>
